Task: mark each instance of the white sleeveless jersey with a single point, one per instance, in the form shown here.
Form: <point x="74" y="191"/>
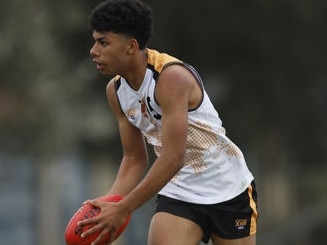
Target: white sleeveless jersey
<point x="214" y="168"/>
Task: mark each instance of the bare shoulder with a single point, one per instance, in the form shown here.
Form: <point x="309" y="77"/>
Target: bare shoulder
<point x="176" y="82"/>
<point x="179" y="73"/>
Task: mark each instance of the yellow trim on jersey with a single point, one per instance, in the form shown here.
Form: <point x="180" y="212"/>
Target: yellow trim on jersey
<point x="253" y="225"/>
<point x="160" y="60"/>
<point x="157" y="60"/>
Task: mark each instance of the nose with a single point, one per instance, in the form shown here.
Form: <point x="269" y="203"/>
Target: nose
<point x="93" y="51"/>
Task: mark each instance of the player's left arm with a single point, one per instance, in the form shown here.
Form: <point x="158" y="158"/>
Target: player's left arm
<point x="177" y="91"/>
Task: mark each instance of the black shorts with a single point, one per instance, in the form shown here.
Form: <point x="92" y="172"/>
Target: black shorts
<point x="232" y="219"/>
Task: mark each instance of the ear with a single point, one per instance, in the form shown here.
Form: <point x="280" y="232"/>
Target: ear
<point x="133" y="46"/>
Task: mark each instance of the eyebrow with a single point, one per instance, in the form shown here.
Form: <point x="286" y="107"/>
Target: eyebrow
<point x="100" y="39"/>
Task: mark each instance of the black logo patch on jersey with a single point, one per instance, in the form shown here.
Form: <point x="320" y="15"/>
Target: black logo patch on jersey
<point x="155" y="114"/>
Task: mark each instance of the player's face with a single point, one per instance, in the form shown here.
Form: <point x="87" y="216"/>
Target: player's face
<point x="109" y="52"/>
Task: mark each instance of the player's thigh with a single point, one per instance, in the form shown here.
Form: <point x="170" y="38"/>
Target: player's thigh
<point x="249" y="240"/>
<point x="170" y="229"/>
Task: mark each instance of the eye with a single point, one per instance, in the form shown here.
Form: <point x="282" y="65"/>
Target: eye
<point x="103" y="43"/>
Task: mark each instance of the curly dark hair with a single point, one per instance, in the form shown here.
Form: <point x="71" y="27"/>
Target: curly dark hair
<point x="130" y="17"/>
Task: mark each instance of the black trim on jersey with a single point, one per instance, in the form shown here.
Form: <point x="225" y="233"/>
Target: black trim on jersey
<point x="199" y="79"/>
<point x="117" y="83"/>
<point x="152" y="111"/>
<point x="173" y="63"/>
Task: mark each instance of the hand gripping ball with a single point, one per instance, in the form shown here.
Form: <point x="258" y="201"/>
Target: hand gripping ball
<point x="86" y="211"/>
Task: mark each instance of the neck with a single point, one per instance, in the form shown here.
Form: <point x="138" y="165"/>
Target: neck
<point x="135" y="73"/>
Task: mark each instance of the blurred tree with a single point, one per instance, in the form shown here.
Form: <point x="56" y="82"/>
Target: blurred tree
<point x="268" y="57"/>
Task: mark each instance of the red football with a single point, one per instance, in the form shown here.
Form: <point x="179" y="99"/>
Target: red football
<point x="73" y="231"/>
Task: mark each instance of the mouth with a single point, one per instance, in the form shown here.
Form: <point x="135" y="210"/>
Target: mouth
<point x="98" y="64"/>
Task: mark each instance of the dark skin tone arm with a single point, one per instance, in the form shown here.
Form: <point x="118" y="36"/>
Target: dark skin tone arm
<point x="177" y="91"/>
<point x="135" y="157"/>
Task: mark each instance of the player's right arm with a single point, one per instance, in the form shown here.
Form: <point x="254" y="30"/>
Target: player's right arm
<point x="135" y="158"/>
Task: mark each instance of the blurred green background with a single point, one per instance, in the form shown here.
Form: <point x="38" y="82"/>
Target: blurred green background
<point x="264" y="63"/>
